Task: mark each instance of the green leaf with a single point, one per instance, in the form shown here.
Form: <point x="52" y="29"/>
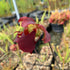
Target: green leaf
<point x="0" y="28"/>
<point x="6" y="47"/>
<point x="7" y="37"/>
<point x="67" y="53"/>
<point x="68" y="60"/>
<point x="60" y="57"/>
<point x="38" y="59"/>
<point x="14" y="35"/>
<point x="59" y="54"/>
<point x="2" y="50"/>
<point x="5" y="28"/>
<point x="42" y="19"/>
<point x="69" y="50"/>
<point x="10" y="40"/>
<point x="37" y="20"/>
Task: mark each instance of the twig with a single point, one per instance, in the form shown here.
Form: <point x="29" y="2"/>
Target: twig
<point x="16" y="67"/>
<point x="53" y="54"/>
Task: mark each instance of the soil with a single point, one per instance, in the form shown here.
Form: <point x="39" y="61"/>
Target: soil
<point x="32" y="61"/>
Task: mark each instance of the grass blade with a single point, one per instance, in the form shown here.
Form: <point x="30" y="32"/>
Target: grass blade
<point x="42" y="19"/>
<point x="59" y="54"/>
<point x="37" y="20"/>
<point x="6" y="47"/>
<point x="67" y="52"/>
<point x="2" y="50"/>
<point x="68" y="60"/>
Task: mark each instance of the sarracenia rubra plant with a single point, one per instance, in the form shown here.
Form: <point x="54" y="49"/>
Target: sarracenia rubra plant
<point x="59" y="17"/>
<point x="27" y="38"/>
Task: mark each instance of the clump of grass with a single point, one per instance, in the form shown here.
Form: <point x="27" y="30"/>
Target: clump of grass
<point x="63" y="52"/>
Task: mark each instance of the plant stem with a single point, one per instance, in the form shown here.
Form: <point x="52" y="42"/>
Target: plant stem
<point x="63" y="65"/>
<point x="53" y="54"/>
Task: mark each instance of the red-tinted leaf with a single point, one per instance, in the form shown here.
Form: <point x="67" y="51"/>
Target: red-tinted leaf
<point x="25" y="21"/>
<point x="19" y="33"/>
<point x="26" y="32"/>
<point x="25" y="18"/>
<point x="46" y="37"/>
<point x="26" y="42"/>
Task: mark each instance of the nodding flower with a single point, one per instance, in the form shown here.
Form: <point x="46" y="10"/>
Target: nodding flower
<point x="26" y="38"/>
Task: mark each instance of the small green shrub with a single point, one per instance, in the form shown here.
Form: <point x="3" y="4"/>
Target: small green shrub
<point x="4" y="8"/>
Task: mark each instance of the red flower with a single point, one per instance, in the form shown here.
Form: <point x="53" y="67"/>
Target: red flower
<point x="26" y="39"/>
